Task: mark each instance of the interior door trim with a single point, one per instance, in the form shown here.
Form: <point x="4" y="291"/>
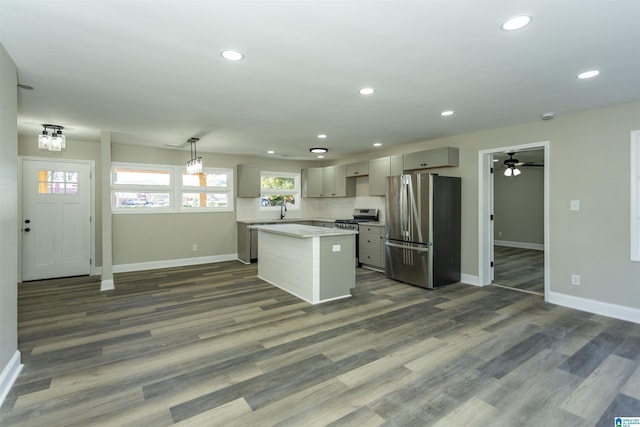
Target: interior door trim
<point x="485" y="209"/>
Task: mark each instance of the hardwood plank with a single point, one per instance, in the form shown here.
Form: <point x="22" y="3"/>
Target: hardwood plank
<point x="213" y="345"/>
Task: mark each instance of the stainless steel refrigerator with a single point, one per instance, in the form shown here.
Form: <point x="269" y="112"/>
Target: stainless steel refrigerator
<point x="422" y="241"/>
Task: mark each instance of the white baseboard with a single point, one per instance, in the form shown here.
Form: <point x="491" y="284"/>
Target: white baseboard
<point x="9" y="375"/>
<point x="152" y="265"/>
<point x="469" y="279"/>
<point x="522" y="245"/>
<point x="603" y="308"/>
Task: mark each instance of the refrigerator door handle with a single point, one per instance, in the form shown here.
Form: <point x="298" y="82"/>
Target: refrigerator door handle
<point x="410" y="248"/>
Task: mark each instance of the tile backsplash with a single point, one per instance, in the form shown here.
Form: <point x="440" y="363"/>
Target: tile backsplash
<point x="330" y="208"/>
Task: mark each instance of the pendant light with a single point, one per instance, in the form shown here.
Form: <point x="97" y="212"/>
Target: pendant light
<point x="55" y="141"/>
<point x="194" y="166"/>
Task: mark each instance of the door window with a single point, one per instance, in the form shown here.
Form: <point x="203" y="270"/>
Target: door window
<point x="57" y="182"/>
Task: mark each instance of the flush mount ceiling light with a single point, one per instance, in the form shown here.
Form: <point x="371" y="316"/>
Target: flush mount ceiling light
<point x="232" y="55"/>
<point x="271" y="152"/>
<point x="367" y="91"/>
<point x="447" y="113"/>
<point x="588" y="74"/>
<point x="54" y="142"/>
<point x="377" y="144"/>
<point x="194" y="166"/>
<point x="516" y="22"/>
<point x="511" y="169"/>
<point x="318" y="150"/>
<point x="322" y="136"/>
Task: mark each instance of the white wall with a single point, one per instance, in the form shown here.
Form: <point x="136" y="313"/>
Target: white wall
<point x="9" y="355"/>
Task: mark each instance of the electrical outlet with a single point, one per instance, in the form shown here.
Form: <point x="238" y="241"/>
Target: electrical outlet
<point x="575" y="279"/>
<point x="574" y="205"/>
<point x="194" y="248"/>
<point x="499" y="233"/>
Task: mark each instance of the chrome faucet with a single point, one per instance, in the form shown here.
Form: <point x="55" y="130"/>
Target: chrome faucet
<point x="283" y="209"/>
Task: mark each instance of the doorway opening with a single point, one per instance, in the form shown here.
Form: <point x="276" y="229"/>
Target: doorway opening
<point x="513" y="222"/>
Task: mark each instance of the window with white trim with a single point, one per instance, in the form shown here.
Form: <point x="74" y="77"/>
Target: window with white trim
<point x="279" y="188"/>
<point x="635" y="195"/>
<point x="137" y="188"/>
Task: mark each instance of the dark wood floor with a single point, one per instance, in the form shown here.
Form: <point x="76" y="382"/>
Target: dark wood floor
<point x="212" y="345"/>
<point x="519" y="268"/>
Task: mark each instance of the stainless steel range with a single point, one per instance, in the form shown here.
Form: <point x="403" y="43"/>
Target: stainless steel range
<point x="359" y="215"/>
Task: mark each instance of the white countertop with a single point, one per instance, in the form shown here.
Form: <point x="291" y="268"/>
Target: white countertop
<point x="302" y="231"/>
<point x="279" y="221"/>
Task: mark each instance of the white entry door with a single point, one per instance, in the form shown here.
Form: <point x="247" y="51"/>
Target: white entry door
<point x="56" y="219"/>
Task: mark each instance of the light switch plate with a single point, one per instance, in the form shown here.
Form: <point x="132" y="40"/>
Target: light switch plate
<point x="336" y="248"/>
<point x="575" y="205"/>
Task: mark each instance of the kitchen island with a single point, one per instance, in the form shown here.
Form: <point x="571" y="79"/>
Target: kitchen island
<point x="315" y="264"/>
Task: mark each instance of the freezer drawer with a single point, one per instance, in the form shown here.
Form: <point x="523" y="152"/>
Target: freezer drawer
<point x="408" y="263"/>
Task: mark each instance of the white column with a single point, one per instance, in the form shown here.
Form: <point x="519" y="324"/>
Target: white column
<point x="105" y="181"/>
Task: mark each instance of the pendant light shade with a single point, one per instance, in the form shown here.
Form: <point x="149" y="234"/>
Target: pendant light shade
<point x="55" y="141"/>
<point x="194" y="166"/>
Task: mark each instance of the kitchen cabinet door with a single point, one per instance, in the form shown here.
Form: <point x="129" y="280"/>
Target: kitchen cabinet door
<point x="328" y="181"/>
<point x="379" y="170"/>
<point x="312" y="182"/>
<point x="248" y="180"/>
<point x="436" y="158"/>
<point x="357" y="169"/>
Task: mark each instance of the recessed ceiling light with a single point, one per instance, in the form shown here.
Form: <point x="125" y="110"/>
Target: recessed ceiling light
<point x="367" y="91"/>
<point x="232" y="55"/>
<point x="322" y="136"/>
<point x="377" y="144"/>
<point x="270" y="152"/>
<point x="516" y="22"/>
<point x="588" y="74"/>
<point x="447" y="113"/>
<point x="318" y="150"/>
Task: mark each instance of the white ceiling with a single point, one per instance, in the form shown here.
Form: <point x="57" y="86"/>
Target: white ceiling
<point x="151" y="72"/>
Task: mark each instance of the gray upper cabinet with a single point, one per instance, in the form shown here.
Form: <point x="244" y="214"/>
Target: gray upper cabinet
<point x="357" y="169"/>
<point x="329" y="181"/>
<point x="248" y="180"/>
<point x="381" y="168"/>
<point x="397" y="165"/>
<point x="312" y="182"/>
<point x="437" y="158"/>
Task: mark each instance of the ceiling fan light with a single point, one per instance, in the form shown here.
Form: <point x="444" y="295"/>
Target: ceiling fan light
<point x="516" y="172"/>
<point x="507" y="172"/>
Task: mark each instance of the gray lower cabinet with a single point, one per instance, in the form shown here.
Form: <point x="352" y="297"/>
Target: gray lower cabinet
<point x="248" y="239"/>
<point x="371" y="246"/>
<point x="325" y="224"/>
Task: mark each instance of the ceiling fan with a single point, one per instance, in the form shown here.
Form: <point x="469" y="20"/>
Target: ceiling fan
<point x="510" y="165"/>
